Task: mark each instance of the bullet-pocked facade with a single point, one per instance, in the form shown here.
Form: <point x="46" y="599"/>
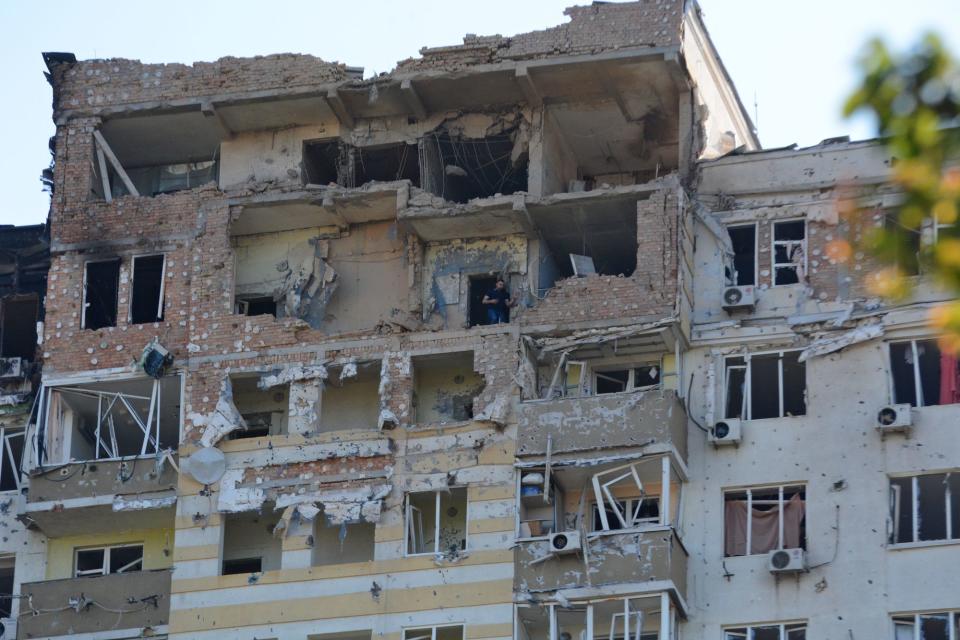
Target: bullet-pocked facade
<point x="284" y="394"/>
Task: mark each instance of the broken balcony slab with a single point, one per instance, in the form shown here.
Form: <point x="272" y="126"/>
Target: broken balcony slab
<point x="617" y="420"/>
<point x="653" y="556"/>
<point x="100" y="496"/>
<point x="432" y="218"/>
<point x="317" y="206"/>
<point x="134" y="601"/>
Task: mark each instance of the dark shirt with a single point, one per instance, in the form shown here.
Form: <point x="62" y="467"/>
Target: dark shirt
<point x="501" y="296"/>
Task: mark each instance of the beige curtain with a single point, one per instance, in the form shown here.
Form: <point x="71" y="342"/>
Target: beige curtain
<point x="765" y="535"/>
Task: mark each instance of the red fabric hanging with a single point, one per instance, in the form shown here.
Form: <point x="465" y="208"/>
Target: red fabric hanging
<point x="949" y="380"/>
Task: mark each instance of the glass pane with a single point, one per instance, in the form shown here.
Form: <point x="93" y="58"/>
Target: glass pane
<point x="450" y="633"/>
<point x="796" y="632"/>
<point x="929" y="354"/>
<point x="418" y="634"/>
<point x="89" y="560"/>
<point x="421" y="522"/>
<point x="954" y="481"/>
<point x="736" y="376"/>
<point x="124" y="559"/>
<point x="766" y="633"/>
<point x="934" y="627"/>
<point x="765" y="386"/>
<point x="903" y="628"/>
<point x="794" y="384"/>
<point x="646" y="376"/>
<point x="612" y="381"/>
<point x="932" y="501"/>
<point x="735" y="634"/>
<point x="901" y="509"/>
<point x="901" y="369"/>
<point x="789" y="230"/>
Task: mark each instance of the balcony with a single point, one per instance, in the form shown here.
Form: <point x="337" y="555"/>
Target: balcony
<point x="102" y="495"/>
<point x="654" y="556"/>
<point x="91" y="604"/>
<point x="609" y="421"/>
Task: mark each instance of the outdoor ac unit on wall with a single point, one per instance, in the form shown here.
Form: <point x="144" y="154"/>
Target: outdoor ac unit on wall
<point x="894" y="418"/>
<point x="787" y="561"/>
<point x="565" y="542"/>
<point x="739" y="298"/>
<point x="727" y="431"/>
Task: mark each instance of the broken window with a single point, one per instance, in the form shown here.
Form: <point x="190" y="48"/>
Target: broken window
<point x="631" y="618"/>
<point x="110" y="420"/>
<point x="264" y="411"/>
<point x="146" y="298"/>
<point x="454" y="632"/>
<point x="7" y="565"/>
<point x="923" y="375"/>
<point x="343" y="543"/>
<point x="351" y="398"/>
<point x="941" y="625"/>
<point x="645" y="376"/>
<point x="925" y="508"/>
<point x="335" y="161"/>
<point x="256" y="306"/>
<point x="249" y="544"/>
<point x="789" y="252"/>
<point x="166" y="178"/>
<point x="744" y="240"/>
<point x="444" y="387"/>
<point x="11" y="458"/>
<point x="101" y="561"/>
<point x="760" y="520"/>
<point x="326" y="162"/>
<point x="18" y="327"/>
<point x="101" y="281"/>
<point x="766" y="385"/>
<point x="461" y="169"/>
<point x="794" y="631"/>
<point x="907" y="254"/>
<point x="436" y="522"/>
<point x="630" y="496"/>
<point x="479" y="287"/>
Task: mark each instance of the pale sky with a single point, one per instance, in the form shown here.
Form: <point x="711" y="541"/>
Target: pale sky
<point x="793" y="57"/>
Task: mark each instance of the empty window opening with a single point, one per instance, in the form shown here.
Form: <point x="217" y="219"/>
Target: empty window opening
<point x="789" y="252"/>
<point x="768" y="385"/>
<point x="343" y="543"/>
<point x="326" y="162"/>
<point x="922" y="375"/>
<point x="18" y="327"/>
<point x="925" y="508"/>
<point x="941" y="625"/>
<point x="101" y="282"/>
<point x="795" y="631"/>
<point x="636" y="512"/>
<point x="445" y="386"/>
<point x="436" y="522"/>
<point x="110" y="420"/>
<point x="166" y="178"/>
<point x="630" y="379"/>
<point x="146" y="299"/>
<point x="906" y="251"/>
<point x="351" y="401"/>
<point x="454" y="632"/>
<point x="481" y="286"/>
<point x="461" y="169"/>
<point x="264" y="411"/>
<point x="11" y="458"/>
<point x="385" y="163"/>
<point x="744" y="240"/>
<point x="249" y="545"/>
<point x="256" y="306"/>
<point x="101" y="561"/>
<point x="760" y="520"/>
<point x="6" y="585"/>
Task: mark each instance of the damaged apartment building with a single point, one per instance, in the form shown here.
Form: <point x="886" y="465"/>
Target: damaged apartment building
<point x="274" y="406"/>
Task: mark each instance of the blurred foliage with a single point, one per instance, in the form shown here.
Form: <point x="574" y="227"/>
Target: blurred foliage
<point x="915" y="99"/>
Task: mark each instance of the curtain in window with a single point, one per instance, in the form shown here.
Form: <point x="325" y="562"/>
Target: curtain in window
<point x="766" y="534"/>
<point x="949" y="383"/>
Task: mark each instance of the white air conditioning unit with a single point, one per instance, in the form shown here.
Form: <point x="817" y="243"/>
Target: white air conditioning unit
<point x="565" y="542"/>
<point x="727" y="431"/>
<point x="735" y="298"/>
<point x="893" y="418"/>
<point x="11" y="367"/>
<point x="787" y="561"/>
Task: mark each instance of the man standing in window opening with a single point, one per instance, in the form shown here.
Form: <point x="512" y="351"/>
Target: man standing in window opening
<point x="498" y="303"/>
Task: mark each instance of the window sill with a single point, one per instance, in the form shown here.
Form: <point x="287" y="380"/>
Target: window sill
<point x="901" y="546"/>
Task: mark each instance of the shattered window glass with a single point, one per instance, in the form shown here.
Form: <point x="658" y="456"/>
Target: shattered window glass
<point x="789" y="252"/>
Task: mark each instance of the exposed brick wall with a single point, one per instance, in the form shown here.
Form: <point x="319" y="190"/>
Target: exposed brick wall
<point x="650" y="291"/>
<point x="93" y="84"/>
<point x="592" y="28"/>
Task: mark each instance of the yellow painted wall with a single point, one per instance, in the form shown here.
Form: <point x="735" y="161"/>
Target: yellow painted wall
<point x="157" y="549"/>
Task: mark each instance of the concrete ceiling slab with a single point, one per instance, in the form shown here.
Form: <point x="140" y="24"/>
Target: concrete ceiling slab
<point x="140" y="141"/>
<point x="100" y="519"/>
<point x="270" y="114"/>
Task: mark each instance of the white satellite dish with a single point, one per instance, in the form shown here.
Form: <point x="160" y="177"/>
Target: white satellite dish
<point x="207" y="465"/>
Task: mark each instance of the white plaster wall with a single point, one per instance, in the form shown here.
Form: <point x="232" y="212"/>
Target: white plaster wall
<point x="262" y="156"/>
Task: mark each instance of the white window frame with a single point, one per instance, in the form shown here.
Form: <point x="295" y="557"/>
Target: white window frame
<point x="746" y="413"/>
<point x="631" y="369"/>
<point x="668" y="623"/>
<point x="917" y="383"/>
<point x="409" y="522"/>
<point x="433" y="631"/>
<point x="952" y="528"/>
<point x="6" y="455"/>
<point x="774" y="243"/>
<point x="133" y="277"/>
<point x="630" y="507"/>
<point x="953" y="615"/>
<point x="756" y="251"/>
<point x="781" y="488"/>
<point x="749" y="630"/>
<point x="105" y="568"/>
<point x="83" y="301"/>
